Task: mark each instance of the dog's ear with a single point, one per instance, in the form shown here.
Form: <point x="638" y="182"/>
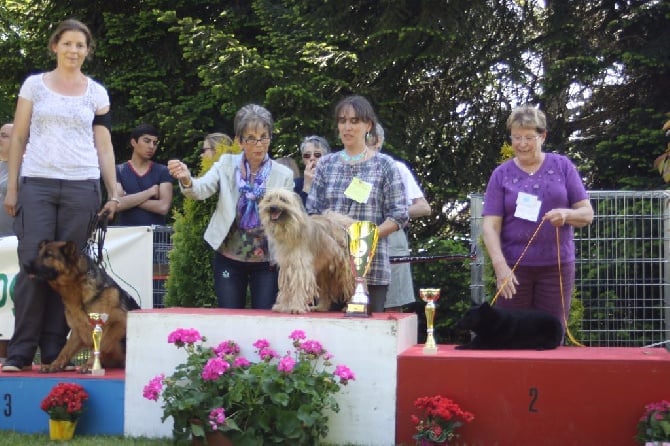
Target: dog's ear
<point x="70" y="250"/>
<point x="42" y="243"/>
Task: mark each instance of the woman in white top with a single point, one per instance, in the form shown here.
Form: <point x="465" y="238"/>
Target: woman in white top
<point x="60" y="145"/>
<point x="242" y="258"/>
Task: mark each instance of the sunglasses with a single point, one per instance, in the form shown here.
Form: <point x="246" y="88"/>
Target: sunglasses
<point x="308" y="155"/>
<point x="204" y="149"/>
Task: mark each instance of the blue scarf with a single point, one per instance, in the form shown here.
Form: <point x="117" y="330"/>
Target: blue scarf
<point x="250" y="193"/>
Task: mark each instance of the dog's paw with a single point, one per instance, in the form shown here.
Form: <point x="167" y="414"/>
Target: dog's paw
<point x="54" y="367"/>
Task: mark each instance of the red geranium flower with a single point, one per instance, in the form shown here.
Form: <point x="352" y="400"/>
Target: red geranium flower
<point x="440" y="418"/>
<point x="65" y="402"/>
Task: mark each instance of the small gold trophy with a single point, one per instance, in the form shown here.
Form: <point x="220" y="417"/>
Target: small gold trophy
<point x="429" y="295"/>
<point x="363" y="237"/>
<point x="97" y="320"/>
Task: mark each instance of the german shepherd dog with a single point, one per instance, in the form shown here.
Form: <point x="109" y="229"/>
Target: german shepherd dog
<point x="85" y="288"/>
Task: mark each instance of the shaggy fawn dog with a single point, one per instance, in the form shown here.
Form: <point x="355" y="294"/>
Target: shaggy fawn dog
<point x="311" y="252"/>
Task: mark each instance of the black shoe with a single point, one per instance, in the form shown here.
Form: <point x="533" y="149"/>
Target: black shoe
<point x="15" y="365"/>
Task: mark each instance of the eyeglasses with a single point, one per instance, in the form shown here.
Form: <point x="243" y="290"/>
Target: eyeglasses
<point x="252" y="140"/>
<point x="516" y="138"/>
<point x="308" y="155"/>
<point x="204" y="149"/>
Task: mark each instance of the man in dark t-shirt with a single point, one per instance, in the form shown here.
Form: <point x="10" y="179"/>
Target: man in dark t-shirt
<point x="144" y="187"/>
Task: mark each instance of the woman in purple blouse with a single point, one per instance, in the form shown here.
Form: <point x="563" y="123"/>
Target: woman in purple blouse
<point x="521" y="193"/>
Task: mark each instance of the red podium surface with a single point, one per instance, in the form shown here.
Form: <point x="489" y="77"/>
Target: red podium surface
<point x="568" y="396"/>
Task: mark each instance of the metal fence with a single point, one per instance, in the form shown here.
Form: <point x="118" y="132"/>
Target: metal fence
<point x="622" y="268"/>
<point x="162" y="246"/>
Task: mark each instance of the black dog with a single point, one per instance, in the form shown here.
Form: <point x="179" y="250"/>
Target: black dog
<point x="507" y="329"/>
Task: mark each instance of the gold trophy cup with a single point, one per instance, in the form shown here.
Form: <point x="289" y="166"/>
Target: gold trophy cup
<point x="429" y="295"/>
<point x="97" y="320"/>
<point x="363" y="237"/>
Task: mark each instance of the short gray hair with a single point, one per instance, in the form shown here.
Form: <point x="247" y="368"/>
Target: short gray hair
<point x="318" y="141"/>
<point x="252" y="115"/>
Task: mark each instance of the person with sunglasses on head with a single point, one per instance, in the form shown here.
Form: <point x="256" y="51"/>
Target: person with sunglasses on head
<point x="144" y="187"/>
<point x="242" y="259"/>
<point x="533" y="189"/>
<point x="312" y="148"/>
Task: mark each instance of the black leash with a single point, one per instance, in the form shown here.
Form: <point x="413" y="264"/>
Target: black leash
<point x="433" y="258"/>
<point x="97" y="228"/>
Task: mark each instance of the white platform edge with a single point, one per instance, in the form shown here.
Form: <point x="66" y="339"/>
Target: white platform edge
<point x="369" y="347"/>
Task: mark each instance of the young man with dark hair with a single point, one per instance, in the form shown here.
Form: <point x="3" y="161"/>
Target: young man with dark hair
<point x="144" y="187"/>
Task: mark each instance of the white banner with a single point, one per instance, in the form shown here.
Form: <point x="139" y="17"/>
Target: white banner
<point x="127" y="259"/>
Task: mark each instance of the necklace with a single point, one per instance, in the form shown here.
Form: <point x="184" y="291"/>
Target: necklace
<point x="355" y="158"/>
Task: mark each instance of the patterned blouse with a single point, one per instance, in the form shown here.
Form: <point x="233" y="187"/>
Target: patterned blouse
<point x="386" y="199"/>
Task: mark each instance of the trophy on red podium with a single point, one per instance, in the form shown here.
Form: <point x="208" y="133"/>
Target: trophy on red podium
<point x="429" y="295"/>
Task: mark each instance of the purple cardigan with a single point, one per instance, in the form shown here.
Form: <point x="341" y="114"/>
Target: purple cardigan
<point x="557" y="185"/>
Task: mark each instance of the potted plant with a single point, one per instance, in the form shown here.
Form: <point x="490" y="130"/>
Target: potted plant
<point x="653" y="429"/>
<point x="281" y="399"/>
<point x="439" y="419"/>
<point x="64" y="404"/>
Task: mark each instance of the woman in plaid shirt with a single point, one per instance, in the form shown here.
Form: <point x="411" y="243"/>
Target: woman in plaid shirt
<point x="363" y="184"/>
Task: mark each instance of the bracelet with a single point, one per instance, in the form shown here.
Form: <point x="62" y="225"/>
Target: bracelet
<point x="186" y="186"/>
<point x="115" y="199"/>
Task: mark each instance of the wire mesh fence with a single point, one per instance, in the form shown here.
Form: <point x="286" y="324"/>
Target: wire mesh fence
<point x="622" y="268"/>
<point x="161" y="268"/>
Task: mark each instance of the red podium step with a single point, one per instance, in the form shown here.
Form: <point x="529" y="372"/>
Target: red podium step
<point x="568" y="396"/>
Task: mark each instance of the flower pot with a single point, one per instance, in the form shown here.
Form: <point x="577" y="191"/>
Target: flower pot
<point x="61" y="429"/>
<point x="213" y="439"/>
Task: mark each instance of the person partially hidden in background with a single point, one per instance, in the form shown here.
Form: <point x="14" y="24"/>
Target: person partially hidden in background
<point x="6" y="220"/>
<point x="522" y="192"/>
<point x="401" y="288"/>
<point x="312" y="148"/>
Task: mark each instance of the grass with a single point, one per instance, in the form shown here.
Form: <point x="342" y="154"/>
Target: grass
<point x="8" y="438"/>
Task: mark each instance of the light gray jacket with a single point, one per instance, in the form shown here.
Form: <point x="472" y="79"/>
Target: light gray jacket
<point x="221" y="178"/>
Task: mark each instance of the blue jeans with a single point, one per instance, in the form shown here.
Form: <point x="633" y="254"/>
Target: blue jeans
<point x="232" y="278"/>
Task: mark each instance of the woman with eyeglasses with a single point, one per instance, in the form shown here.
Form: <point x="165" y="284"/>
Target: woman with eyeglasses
<point x="242" y="260"/>
<point x="533" y="189"/>
<point x="312" y="149"/>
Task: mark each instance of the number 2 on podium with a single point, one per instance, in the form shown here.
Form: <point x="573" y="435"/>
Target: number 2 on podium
<point x="533" y="393"/>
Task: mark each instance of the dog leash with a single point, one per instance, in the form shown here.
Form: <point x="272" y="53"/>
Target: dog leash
<point x="97" y="228"/>
<point x="560" y="279"/>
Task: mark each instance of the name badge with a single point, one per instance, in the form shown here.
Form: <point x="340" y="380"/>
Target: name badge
<point x="358" y="190"/>
<point x="527" y="207"/>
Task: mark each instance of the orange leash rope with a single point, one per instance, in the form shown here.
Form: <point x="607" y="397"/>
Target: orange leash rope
<point x="560" y="279"/>
<point x="523" y="253"/>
